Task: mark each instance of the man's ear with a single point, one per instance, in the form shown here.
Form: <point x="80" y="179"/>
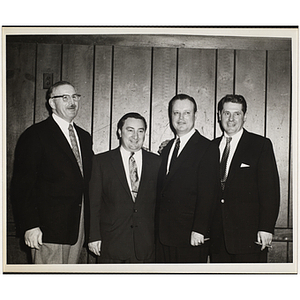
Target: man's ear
<point x="219" y="116"/>
<point x="52" y="103"/>
<point x="119" y="133"/>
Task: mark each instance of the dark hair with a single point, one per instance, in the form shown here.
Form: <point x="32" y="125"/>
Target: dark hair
<point x="134" y="115"/>
<point x="59" y="83"/>
<point x="234" y="99"/>
<point x="181" y="97"/>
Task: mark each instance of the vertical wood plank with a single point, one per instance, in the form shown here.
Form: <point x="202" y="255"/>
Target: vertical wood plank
<point x="163" y="90"/>
<point x="250" y="82"/>
<point x="196" y="77"/>
<point x="278" y="121"/>
<point x="225" y="75"/>
<point x="77" y="68"/>
<point x="48" y="61"/>
<point x="131" y="86"/>
<point x="102" y="96"/>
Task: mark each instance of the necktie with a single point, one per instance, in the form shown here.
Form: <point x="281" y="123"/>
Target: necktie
<point x="75" y="147"/>
<point x="224" y="159"/>
<point x="175" y="153"/>
<point x="134" y="177"/>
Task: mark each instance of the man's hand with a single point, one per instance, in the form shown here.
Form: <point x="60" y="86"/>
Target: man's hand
<point x="95" y="247"/>
<point x="264" y="239"/>
<point x="33" y="238"/>
<point x="196" y="238"/>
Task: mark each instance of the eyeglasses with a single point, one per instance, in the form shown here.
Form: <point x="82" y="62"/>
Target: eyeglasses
<point x="67" y="97"/>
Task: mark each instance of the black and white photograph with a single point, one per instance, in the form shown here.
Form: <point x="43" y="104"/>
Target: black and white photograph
<point x="150" y="150"/>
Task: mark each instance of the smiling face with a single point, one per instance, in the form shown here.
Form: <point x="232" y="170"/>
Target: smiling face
<point x="132" y="134"/>
<point x="232" y="117"/>
<point x="66" y="110"/>
<point x="183" y="116"/>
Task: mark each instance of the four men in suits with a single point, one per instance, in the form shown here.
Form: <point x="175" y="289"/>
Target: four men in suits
<point x="50" y="182"/>
<point x="226" y="190"/>
<point x="249" y="200"/>
<point x="187" y="188"/>
<point x="123" y="197"/>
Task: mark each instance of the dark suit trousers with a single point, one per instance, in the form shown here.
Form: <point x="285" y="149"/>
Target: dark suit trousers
<point x="224" y="257"/>
<point x="189" y="254"/>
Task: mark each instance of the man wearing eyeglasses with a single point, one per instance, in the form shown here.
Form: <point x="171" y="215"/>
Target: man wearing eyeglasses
<point x="50" y="181"/>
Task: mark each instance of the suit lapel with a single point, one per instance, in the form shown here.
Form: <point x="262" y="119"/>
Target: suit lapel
<point x="145" y="173"/>
<point x="183" y="156"/>
<point x="117" y="163"/>
<point x="237" y="158"/>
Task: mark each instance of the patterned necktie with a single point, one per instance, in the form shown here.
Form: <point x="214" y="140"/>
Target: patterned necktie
<point x="134" y="177"/>
<point x="75" y="147"/>
<point x="175" y="153"/>
<point x="224" y="159"/>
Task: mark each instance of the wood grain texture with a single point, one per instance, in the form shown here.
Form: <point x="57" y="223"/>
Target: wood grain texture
<point x="48" y="61"/>
<point x="250" y="82"/>
<point x="278" y="122"/>
<point x="196" y="77"/>
<point x="77" y="68"/>
<point x="225" y="80"/>
<point x="131" y="86"/>
<point x="102" y="98"/>
<point x="164" y="88"/>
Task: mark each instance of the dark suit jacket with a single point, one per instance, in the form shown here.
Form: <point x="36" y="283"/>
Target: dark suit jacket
<point x="187" y="195"/>
<point x="250" y="201"/>
<point x="47" y="185"/>
<point x="119" y="222"/>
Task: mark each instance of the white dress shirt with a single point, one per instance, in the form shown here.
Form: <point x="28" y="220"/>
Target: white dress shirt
<point x="139" y="162"/>
<point x="183" y="140"/>
<point x="64" y="127"/>
<point x="233" y="144"/>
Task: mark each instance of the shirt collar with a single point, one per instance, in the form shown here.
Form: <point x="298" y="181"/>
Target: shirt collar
<point x="127" y="153"/>
<point x="61" y="122"/>
<point x="186" y="137"/>
<point x="236" y="137"/>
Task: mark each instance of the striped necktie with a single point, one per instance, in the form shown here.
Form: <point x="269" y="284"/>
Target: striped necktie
<point x="134" y="177"/>
<point x="75" y="147"/>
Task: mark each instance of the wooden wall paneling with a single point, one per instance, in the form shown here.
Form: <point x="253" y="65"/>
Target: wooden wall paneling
<point x="102" y="98"/>
<point x="48" y="61"/>
<point x="250" y="82"/>
<point x="20" y="97"/>
<point x="278" y="122"/>
<point x="225" y="79"/>
<point x="77" y="68"/>
<point x="196" y="77"/>
<point x="278" y="253"/>
<point x="131" y="86"/>
<point x="163" y="90"/>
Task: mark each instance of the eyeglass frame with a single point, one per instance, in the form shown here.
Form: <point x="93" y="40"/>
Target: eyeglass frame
<point x="68" y="97"/>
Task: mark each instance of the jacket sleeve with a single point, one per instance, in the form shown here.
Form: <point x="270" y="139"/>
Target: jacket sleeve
<point x="27" y="164"/>
<point x="208" y="190"/>
<point x="95" y="195"/>
<point x="268" y="188"/>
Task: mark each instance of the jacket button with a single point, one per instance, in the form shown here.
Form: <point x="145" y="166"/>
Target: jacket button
<point x="222" y="201"/>
<point x="131" y="226"/>
<point x="135" y="210"/>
